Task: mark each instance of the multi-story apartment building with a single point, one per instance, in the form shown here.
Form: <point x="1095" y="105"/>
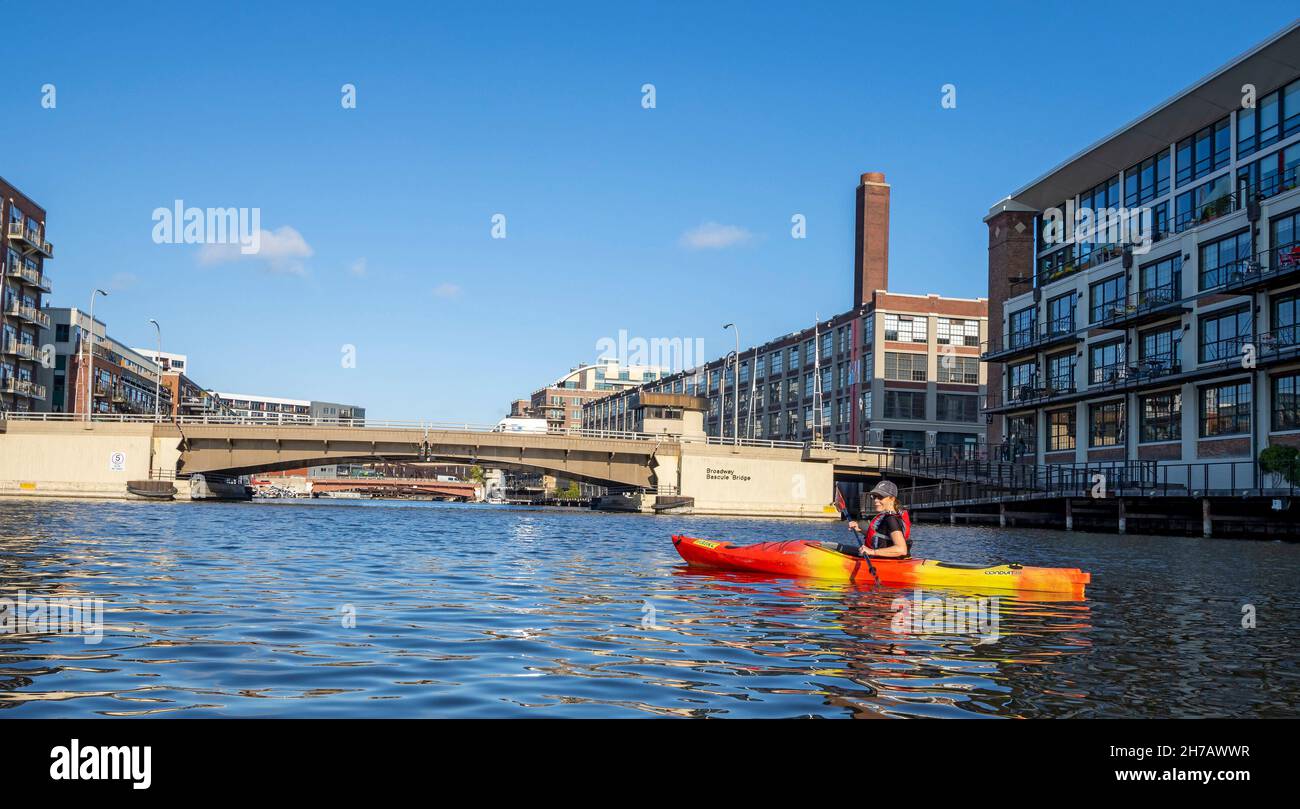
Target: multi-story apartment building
<point x="120" y="381"/>
<point x="561" y="402"/>
<point x="1180" y="347"/>
<point x="23" y="322"/>
<point x="281" y="410"/>
<point x="896" y="370"/>
<point x="168" y="360"/>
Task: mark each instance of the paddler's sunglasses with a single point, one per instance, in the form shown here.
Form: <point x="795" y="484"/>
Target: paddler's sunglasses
<point x="877" y="497"/>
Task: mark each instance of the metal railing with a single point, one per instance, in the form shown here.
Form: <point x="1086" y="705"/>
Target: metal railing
<point x="1117" y="479"/>
<point x="1037" y="335"/>
<point x="30" y="313"/>
<point x="23" y="387"/>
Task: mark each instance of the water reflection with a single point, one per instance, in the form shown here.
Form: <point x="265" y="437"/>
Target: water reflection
<point x="502" y="612"/>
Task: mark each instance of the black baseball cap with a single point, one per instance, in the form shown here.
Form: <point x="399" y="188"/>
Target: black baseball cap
<point x="885" y="489"/>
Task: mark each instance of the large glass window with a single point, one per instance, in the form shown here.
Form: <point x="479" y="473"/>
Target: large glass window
<point x="1204" y="203"/>
<point x="905" y="404"/>
<point x="1284" y="320"/>
<point x="1225" y="409"/>
<point x="904" y="439"/>
<point x="1022" y="380"/>
<point x="1060" y="314"/>
<point x="962" y="370"/>
<point x="1161" y="350"/>
<point x="1162" y="417"/>
<point x="1106" y="424"/>
<point x="1286" y="402"/>
<point x="1224" y="336"/>
<point x="1060" y="372"/>
<point x="909" y="367"/>
<point x="1147" y="180"/>
<point x="1022" y="437"/>
<point x="1224" y="260"/>
<point x="905" y="329"/>
<point x="1060" y="430"/>
<point x="1284" y="238"/>
<point x="1204" y="152"/>
<point x="1021" y="324"/>
<point x="956" y="407"/>
<point x="957" y="332"/>
<point x="1104" y="297"/>
<point x="1161" y="281"/>
<point x="1106" y="363"/>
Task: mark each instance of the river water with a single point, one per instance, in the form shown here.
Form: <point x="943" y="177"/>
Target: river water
<point x="396" y="609"/>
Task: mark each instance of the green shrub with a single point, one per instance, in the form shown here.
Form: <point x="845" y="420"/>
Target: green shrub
<point x="1280" y="460"/>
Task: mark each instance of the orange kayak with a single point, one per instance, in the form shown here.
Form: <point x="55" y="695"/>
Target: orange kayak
<point x="808" y="559"/>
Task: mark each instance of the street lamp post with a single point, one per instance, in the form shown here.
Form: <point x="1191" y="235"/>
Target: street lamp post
<point x="735" y="397"/>
<point x="90" y="355"/>
<point x="157" y="388"/>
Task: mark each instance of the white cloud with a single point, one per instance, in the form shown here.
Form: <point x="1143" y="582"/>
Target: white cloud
<point x="447" y="290"/>
<point x="281" y="250"/>
<point x="358" y="268"/>
<point x="715" y="236"/>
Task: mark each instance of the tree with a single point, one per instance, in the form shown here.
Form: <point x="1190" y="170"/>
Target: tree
<point x="1283" y="461"/>
<point x="476" y="474"/>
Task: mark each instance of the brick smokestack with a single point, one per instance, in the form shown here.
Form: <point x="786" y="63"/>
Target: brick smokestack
<point x="871" y="248"/>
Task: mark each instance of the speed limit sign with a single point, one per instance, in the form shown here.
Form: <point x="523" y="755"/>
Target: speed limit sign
<point x="117" y="462"/>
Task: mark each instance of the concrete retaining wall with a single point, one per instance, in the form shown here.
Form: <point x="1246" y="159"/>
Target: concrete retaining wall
<point x="778" y="483"/>
<point x="39" y="459"/>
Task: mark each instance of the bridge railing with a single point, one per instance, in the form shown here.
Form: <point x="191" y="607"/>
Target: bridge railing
<point x="438" y="426"/>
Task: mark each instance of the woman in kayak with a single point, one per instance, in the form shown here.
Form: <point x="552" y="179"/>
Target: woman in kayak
<point x="889" y="533"/>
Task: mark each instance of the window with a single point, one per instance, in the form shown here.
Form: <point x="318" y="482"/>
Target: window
<point x="909" y="367"/>
<point x="828" y="345"/>
<point x="61" y="333"/>
<point x="1275" y="116"/>
<point x="1060" y="372"/>
<point x="1161" y="281"/>
<point x="1284" y="237"/>
<point x="1099" y="201"/>
<point x="1161" y="350"/>
<point x="1022" y="380"/>
<point x="1204" y="203"/>
<point x="1060" y="314"/>
<point x="1225" y="409"/>
<point x="1022" y="326"/>
<point x="1060" y="430"/>
<point x="904" y="439"/>
<point x="1021" y="435"/>
<point x="905" y="329"/>
<point x="1106" y="363"/>
<point x="1224" y="260"/>
<point x="1104" y="297"/>
<point x="960" y="444"/>
<point x="808" y="382"/>
<point x="1147" y="180"/>
<point x="1284" y="321"/>
<point x="1204" y="152"/>
<point x="951" y="331"/>
<point x="1106" y="424"/>
<point x="905" y="404"/>
<point x="956" y="407"/>
<point x="794" y="358"/>
<point x="962" y="370"/>
<point x="1161" y="417"/>
<point x="1223" y="336"/>
<point x="1286" y="402"/>
<point x="777" y="364"/>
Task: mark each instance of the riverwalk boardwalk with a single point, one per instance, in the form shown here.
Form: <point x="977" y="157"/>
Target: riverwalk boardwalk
<point x="68" y="455"/>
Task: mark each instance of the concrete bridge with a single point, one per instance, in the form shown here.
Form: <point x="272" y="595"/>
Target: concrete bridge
<point x="64" y="454"/>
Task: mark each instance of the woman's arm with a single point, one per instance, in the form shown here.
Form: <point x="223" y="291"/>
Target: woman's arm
<point x="897" y="549"/>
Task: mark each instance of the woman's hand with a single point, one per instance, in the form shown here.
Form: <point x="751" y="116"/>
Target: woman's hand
<point x="853" y="526"/>
<point x="864" y="550"/>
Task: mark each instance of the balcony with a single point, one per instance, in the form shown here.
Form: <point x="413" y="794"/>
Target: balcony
<point x="28" y="239"/>
<point x="1126" y="376"/>
<point x="1029" y="394"/>
<point x="1143" y="306"/>
<point x="1264" y="270"/>
<point x="23" y="351"/>
<point x="1028" y="341"/>
<point x="23" y="387"/>
<point x="29" y="313"/>
<point x="33" y="278"/>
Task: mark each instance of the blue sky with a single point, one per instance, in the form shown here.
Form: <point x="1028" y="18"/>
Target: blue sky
<point x="534" y="111"/>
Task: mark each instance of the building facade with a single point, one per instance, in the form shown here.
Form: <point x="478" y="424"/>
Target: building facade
<point x="120" y="381"/>
<point x="1177" y="342"/>
<point x="896" y="370"/>
<point x="561" y="402"/>
<point x="24" y="324"/>
<point x="281" y="410"/>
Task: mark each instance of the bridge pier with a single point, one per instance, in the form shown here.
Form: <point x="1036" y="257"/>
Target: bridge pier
<point x="1207" y="524"/>
<point x="1069" y="514"/>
